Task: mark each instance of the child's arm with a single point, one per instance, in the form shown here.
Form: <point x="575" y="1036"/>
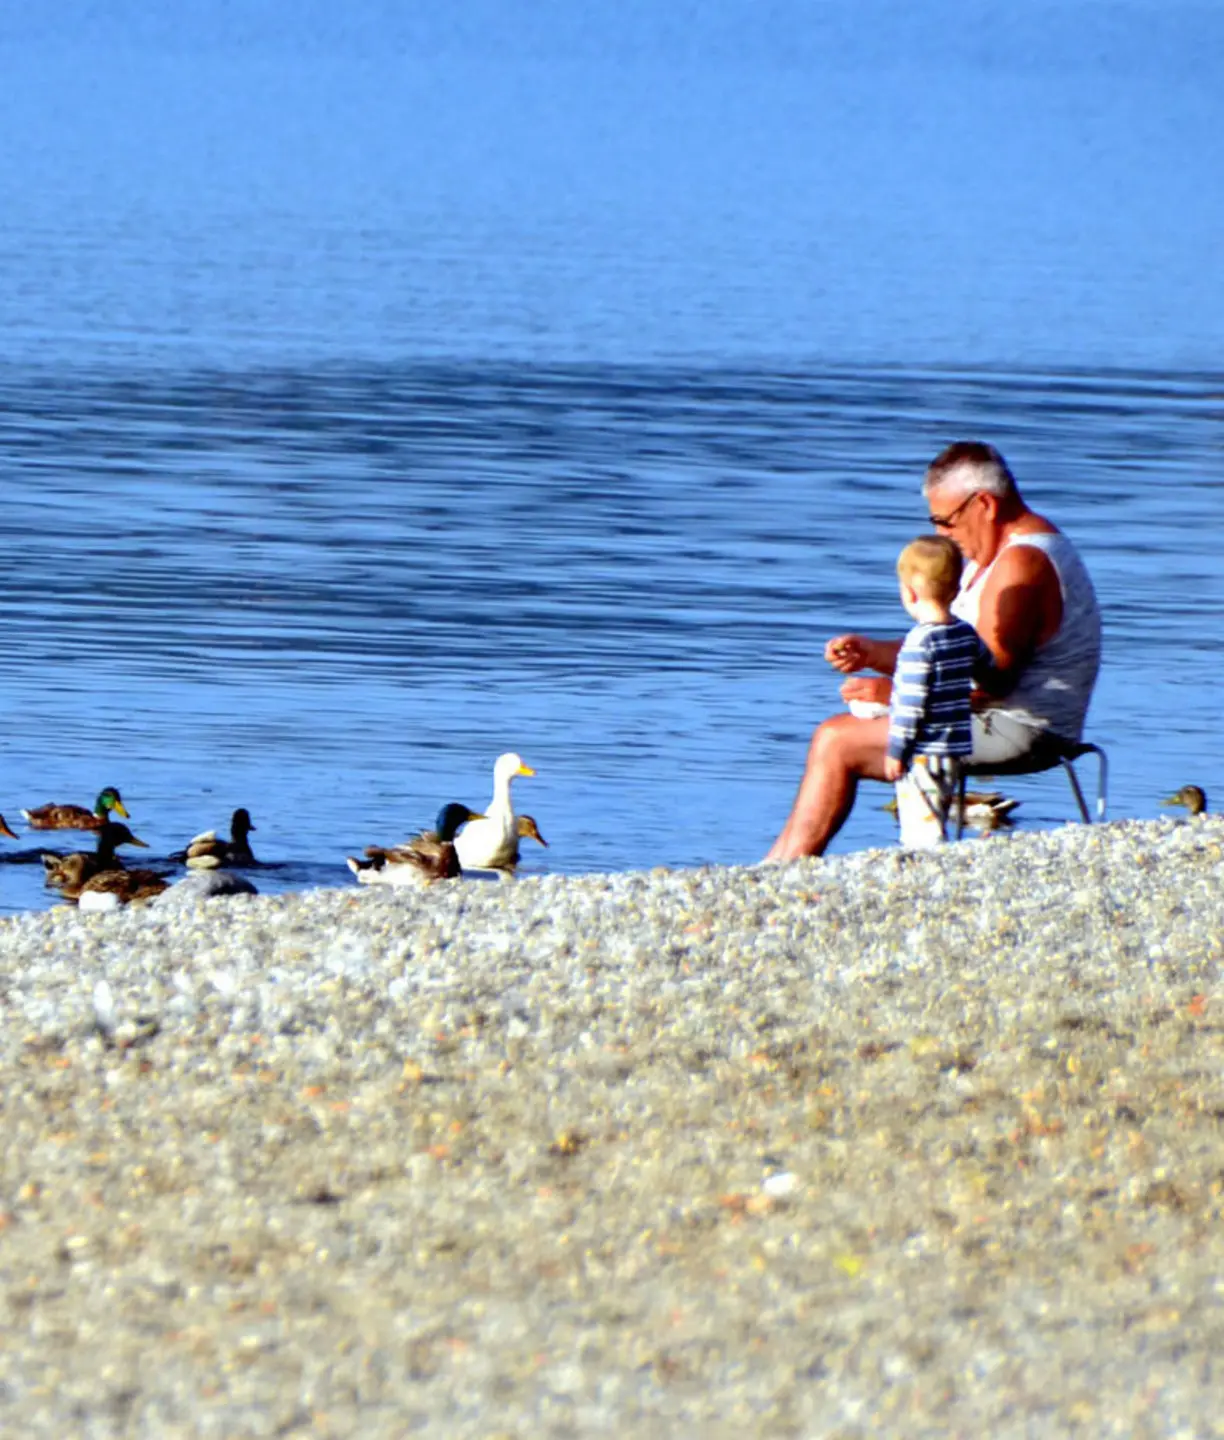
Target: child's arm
<point x="911" y="688"/>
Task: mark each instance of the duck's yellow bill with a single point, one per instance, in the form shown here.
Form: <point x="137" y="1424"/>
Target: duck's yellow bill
<point x="524" y="770"/>
<point x="121" y="809"/>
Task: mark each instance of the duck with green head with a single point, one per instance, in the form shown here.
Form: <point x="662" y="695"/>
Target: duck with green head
<point x="77" y="817"/>
<point x="423" y="860"/>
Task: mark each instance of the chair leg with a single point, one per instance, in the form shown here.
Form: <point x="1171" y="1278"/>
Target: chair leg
<point x="1078" y="793"/>
<point x="948" y="778"/>
<point x="1102" y="780"/>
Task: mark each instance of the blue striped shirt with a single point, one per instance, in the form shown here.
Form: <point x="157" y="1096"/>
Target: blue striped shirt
<point x="929" y="711"/>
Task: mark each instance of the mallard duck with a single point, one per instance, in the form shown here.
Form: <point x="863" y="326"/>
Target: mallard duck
<point x="4" y="829"/>
<point x="985" y="810"/>
<point x="209" y="852"/>
<point x="76" y="817"/>
<point x="67" y="872"/>
<point x="114" y="888"/>
<point x="491" y="843"/>
<point x="71" y="875"/>
<point x="988" y="811"/>
<point x="1193" y="797"/>
<point x="81" y="865"/>
<point x="426" y="858"/>
<point x="528" y="830"/>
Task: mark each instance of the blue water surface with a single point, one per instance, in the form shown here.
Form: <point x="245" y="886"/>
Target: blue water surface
<point x="384" y="388"/>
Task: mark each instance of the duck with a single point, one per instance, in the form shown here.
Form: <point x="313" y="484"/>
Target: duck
<point x="989" y="810"/>
<point x="82" y="865"/>
<point x="1193" y="797"/>
<point x="985" y="810"/>
<point x="112" y="889"/>
<point x="208" y="851"/>
<point x="77" y="817"/>
<point x="491" y="843"/>
<point x="528" y="830"/>
<point x="5" y="829"/>
<point x="423" y="860"/>
<point x="67" y="872"/>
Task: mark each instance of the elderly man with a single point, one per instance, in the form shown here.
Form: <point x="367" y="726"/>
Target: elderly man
<point x="1026" y="592"/>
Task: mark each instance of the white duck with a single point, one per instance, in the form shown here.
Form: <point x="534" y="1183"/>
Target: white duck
<point x="492" y="842"/>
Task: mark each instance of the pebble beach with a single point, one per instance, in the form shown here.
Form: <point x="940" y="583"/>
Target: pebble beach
<point x="881" y="1144"/>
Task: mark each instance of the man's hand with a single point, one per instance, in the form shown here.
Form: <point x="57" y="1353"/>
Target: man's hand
<point x="873" y="688"/>
<point x="847" y="653"/>
<point x="893" y="769"/>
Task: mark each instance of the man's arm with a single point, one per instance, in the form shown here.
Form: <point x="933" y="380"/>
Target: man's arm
<point x="851" y="653"/>
<point x="1021" y="609"/>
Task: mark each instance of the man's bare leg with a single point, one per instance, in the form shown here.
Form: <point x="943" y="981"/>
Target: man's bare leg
<point x="843" y="750"/>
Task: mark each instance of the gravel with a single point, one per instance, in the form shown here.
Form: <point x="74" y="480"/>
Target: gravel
<point x="881" y="1144"/>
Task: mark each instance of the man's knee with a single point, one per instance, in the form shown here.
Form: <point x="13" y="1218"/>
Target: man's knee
<point x="829" y="738"/>
<point x="848" y="746"/>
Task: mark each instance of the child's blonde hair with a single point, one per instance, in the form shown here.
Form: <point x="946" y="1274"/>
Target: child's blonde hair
<point x="931" y="565"/>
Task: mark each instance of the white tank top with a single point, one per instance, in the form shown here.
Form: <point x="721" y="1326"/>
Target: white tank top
<point x="1055" y="687"/>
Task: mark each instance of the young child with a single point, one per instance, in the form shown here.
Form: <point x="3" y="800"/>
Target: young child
<point x="928" y="717"/>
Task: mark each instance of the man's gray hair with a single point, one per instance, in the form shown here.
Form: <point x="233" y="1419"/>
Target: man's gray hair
<point x="969" y="467"/>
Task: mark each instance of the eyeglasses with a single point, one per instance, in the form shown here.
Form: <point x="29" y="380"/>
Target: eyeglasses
<point x="946" y="522"/>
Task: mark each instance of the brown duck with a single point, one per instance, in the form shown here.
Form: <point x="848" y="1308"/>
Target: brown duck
<point x="210" y="852"/>
<point x="528" y="830"/>
<point x="81" y="865"/>
<point x="1193" y="797"/>
<point x="113" y="889"/>
<point x="77" y="817"/>
<point x="426" y="858"/>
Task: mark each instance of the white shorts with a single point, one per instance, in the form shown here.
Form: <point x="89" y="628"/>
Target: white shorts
<point x="999" y="735"/>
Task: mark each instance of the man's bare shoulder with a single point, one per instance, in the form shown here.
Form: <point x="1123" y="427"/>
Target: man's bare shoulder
<point x="1022" y="603"/>
<point x="1022" y="565"/>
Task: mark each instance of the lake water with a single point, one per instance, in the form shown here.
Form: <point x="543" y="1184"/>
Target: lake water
<point x="374" y="402"/>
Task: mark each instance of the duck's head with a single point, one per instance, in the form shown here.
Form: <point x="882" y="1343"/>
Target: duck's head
<point x="109" y="802"/>
<point x="451" y="817"/>
<point x="1193" y="797"/>
<point x="529" y="830"/>
<point x="4" y="829"/>
<point x="64" y="870"/>
<point x="509" y="765"/>
<point x="241" y="823"/>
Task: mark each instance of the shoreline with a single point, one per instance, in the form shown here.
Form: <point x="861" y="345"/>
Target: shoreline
<point x="877" y="1143"/>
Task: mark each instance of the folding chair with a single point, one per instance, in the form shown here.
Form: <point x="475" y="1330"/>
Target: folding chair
<point x="1049" y="752"/>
